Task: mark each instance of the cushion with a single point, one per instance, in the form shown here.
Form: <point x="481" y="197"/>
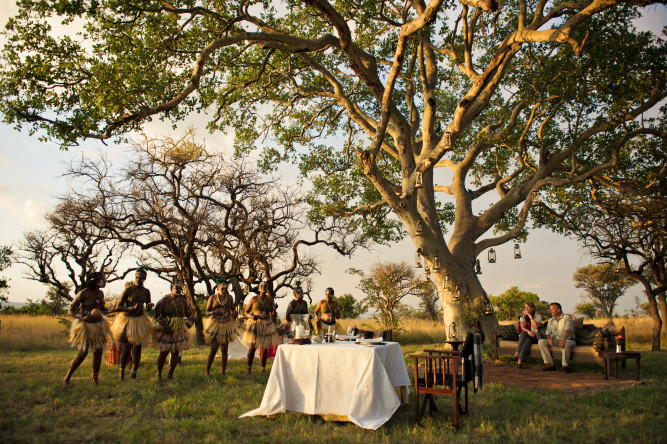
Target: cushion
<point x="585" y="336"/>
<point x="507" y="332"/>
<point x="577" y="323"/>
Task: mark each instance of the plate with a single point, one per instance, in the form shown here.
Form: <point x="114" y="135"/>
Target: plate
<point x="369" y="344"/>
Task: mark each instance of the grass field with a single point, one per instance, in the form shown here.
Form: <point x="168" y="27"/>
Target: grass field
<point x="34" y="358"/>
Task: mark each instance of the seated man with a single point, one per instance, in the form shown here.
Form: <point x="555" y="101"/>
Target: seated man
<point x="560" y="329"/>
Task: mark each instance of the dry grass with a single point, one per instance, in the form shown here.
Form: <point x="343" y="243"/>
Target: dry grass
<point x="23" y="332"/>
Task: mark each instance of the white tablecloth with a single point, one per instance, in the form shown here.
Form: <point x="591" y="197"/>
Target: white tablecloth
<point x="343" y="378"/>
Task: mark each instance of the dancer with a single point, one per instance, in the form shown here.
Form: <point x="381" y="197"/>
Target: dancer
<point x="89" y="328"/>
<point x="132" y="328"/>
<point x="260" y="330"/>
<point x="327" y="311"/>
<point x="221" y="326"/>
<point x="171" y="335"/>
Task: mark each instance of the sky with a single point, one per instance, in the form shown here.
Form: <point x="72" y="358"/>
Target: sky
<point x="31" y="178"/>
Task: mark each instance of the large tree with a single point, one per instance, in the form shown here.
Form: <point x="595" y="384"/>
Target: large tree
<point x="372" y="98"/>
<point x="603" y="284"/>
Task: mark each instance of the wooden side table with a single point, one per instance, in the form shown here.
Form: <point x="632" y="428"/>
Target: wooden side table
<point x="608" y="356"/>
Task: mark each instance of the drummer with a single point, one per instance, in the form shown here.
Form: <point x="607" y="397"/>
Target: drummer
<point x="327" y="311"/>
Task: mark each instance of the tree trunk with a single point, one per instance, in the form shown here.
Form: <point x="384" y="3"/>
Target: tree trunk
<point x="468" y="313"/>
<point x="663" y="311"/>
<point x="199" y="324"/>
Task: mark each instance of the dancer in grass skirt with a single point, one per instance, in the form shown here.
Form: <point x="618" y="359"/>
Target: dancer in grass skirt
<point x="260" y="330"/>
<point x="132" y="328"/>
<point x="221" y="326"/>
<point x="89" y="330"/>
<point x="174" y="316"/>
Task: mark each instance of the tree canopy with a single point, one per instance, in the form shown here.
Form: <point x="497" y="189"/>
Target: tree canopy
<point x="412" y="118"/>
<point x="510" y="304"/>
<point x="603" y="284"/>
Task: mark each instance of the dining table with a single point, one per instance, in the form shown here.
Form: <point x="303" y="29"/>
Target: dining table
<point x="363" y="383"/>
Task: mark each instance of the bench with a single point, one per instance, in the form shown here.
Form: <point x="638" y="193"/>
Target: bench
<point x="582" y="352"/>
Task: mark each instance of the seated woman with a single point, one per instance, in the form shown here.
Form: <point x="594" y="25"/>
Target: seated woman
<point x="529" y="334"/>
<point x="327" y="311"/>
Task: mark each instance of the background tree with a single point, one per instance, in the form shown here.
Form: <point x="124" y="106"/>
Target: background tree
<point x="370" y="98"/>
<point x="195" y="215"/>
<point x="385" y="285"/>
<point x="603" y="284"/>
<point x="70" y="248"/>
<point x="349" y="307"/>
<point x="5" y="262"/>
<point x="510" y="304"/>
<point x="622" y="218"/>
<point x="586" y="309"/>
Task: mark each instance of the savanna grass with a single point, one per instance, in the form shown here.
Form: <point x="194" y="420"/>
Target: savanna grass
<point x="193" y="408"/>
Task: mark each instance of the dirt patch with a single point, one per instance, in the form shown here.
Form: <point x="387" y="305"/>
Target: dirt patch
<point x="536" y="379"/>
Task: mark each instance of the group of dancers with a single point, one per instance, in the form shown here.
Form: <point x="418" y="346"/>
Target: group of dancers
<point x="169" y="333"/>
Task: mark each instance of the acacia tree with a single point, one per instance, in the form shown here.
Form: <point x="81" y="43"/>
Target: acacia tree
<point x="633" y="233"/>
<point x="371" y="98"/>
<point x="603" y="285"/>
<point x="386" y="284"/>
<point x="69" y="249"/>
<point x="197" y="216"/>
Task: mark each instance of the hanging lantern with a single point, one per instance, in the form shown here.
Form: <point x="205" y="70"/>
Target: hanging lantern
<point x="448" y="139"/>
<point x="246" y="289"/>
<point x="478" y="267"/>
<point x="419" y="182"/>
<point x="517" y="251"/>
<point x="452" y="331"/>
<point x="457" y="294"/>
<point x="492" y="256"/>
<point x="436" y="263"/>
<point x="419" y="227"/>
<point x="427" y="271"/>
<point x="488" y="308"/>
<point x="536" y="198"/>
<point x="446" y="282"/>
<point x="418" y="259"/>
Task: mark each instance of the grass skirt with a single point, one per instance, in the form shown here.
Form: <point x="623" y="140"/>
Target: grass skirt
<point x="223" y="332"/>
<point x="260" y="334"/>
<point x="89" y="334"/>
<point x="137" y="329"/>
<point x="166" y="340"/>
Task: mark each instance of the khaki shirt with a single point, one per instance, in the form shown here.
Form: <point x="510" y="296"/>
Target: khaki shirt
<point x="556" y="328"/>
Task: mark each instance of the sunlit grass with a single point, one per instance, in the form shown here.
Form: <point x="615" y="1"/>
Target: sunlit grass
<point x="193" y="408"/>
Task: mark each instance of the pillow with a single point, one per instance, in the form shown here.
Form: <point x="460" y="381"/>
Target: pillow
<point x="543" y="330"/>
<point x="584" y="336"/>
<point x="577" y="323"/>
<point x="507" y="332"/>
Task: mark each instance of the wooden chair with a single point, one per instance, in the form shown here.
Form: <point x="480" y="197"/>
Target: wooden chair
<point x="445" y="373"/>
